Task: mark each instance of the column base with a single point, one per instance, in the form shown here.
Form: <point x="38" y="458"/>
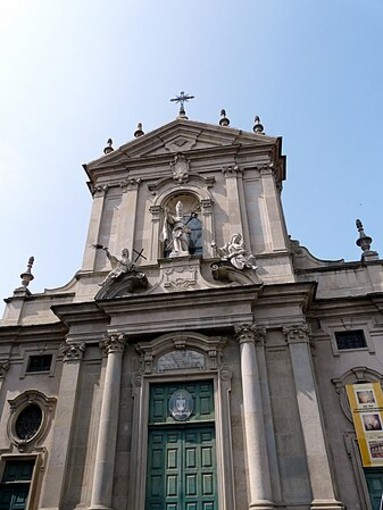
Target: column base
<point x="262" y="504"/>
<point x="326" y="504"/>
<point x="99" y="507"/>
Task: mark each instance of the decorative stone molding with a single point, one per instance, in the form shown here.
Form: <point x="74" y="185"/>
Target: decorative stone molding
<point x="73" y="352"/>
<point x="114" y="342"/>
<point x="4" y="367"/>
<point x="226" y="374"/>
<point x="179" y="278"/>
<point x="33" y="433"/>
<point x="129" y="182"/>
<point x="100" y="190"/>
<point x="298" y="333"/>
<point x="356" y="375"/>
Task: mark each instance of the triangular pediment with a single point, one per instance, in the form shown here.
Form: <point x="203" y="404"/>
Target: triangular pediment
<point x="181" y="135"/>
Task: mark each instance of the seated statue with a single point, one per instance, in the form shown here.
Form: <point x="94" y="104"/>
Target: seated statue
<point x="235" y="252"/>
<point x="119" y="266"/>
<point x="176" y="234"/>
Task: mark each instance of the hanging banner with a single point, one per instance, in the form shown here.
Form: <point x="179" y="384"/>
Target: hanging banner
<point x="366" y="403"/>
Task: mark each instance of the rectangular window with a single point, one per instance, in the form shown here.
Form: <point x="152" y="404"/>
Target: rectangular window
<point x="39" y="363"/>
<point x="15" y="484"/>
<point x="350" y="339"/>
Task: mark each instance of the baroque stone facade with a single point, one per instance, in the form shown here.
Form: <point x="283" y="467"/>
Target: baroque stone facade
<point x="207" y="367"/>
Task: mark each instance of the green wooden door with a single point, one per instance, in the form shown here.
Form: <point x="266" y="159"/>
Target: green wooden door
<point x="182" y="469"/>
<point x="181" y="455"/>
<point x="374" y="479"/>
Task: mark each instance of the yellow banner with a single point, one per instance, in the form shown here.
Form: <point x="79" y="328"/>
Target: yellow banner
<point x="366" y="402"/>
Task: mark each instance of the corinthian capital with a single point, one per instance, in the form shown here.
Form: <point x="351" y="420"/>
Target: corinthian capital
<point x="114" y="342"/>
<point x="73" y="352"/>
<point x="249" y="333"/>
<point x="298" y="333"/>
<point x="4" y="367"/>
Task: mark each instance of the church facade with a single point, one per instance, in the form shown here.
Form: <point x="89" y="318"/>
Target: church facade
<point x="200" y="359"/>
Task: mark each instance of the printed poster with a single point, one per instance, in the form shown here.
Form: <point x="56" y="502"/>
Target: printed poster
<point x="366" y="403"/>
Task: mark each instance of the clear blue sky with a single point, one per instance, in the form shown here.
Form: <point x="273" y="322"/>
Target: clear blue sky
<point x="74" y="73"/>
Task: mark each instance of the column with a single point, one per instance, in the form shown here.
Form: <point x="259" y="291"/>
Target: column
<point x="113" y="345"/>
<point x="260" y="341"/>
<point x="155" y="234"/>
<point x="312" y="428"/>
<point x="253" y="418"/>
<point x="128" y="213"/>
<point x="94" y="227"/>
<point x="208" y="227"/>
<point x="66" y="403"/>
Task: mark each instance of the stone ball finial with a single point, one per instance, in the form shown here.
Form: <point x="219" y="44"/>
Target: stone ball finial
<point x="27" y="276"/>
<point x="108" y="147"/>
<point x="138" y="132"/>
<point x="364" y="242"/>
<point x="224" y="121"/>
<point x="258" y="127"/>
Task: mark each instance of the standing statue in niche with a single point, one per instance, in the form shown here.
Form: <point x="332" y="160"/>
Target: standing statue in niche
<point x="176" y="233"/>
<point x="235" y="252"/>
<point x="119" y="266"/>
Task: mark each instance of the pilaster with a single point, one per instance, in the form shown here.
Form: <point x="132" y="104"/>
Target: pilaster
<point x="113" y="345"/>
<point x="99" y="195"/>
<point x="128" y="211"/>
<point x="253" y="419"/>
<point x="66" y="402"/>
<point x="321" y="482"/>
<point x="233" y="176"/>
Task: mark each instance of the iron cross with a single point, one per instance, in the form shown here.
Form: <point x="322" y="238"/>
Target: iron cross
<point x="182" y="98"/>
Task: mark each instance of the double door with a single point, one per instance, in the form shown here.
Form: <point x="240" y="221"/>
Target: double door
<point x="181" y="472"/>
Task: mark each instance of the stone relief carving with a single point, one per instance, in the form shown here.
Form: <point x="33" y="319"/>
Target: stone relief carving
<point x="73" y="352"/>
<point x="100" y="190"/>
<point x="181" y="359"/>
<point x="180" y="168"/>
<point x="178" y="278"/>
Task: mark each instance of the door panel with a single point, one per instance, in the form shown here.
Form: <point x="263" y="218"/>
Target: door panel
<point x="182" y="469"/>
<point x="374" y="479"/>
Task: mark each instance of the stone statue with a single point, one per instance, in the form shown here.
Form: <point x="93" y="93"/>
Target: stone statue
<point x="235" y="252"/>
<point x="176" y="233"/>
<point x="119" y="266"/>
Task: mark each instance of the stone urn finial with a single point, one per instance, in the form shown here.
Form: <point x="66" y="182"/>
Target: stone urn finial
<point x="138" y="132"/>
<point x="224" y="121"/>
<point x="258" y="127"/>
<point x="108" y="148"/>
<point x="364" y="242"/>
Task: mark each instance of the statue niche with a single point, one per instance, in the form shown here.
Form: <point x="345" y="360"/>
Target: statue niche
<point x="182" y="229"/>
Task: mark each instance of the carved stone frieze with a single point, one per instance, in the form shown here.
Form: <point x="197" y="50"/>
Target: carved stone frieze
<point x="298" y="333"/>
<point x="73" y="351"/>
<point x="114" y="342"/>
